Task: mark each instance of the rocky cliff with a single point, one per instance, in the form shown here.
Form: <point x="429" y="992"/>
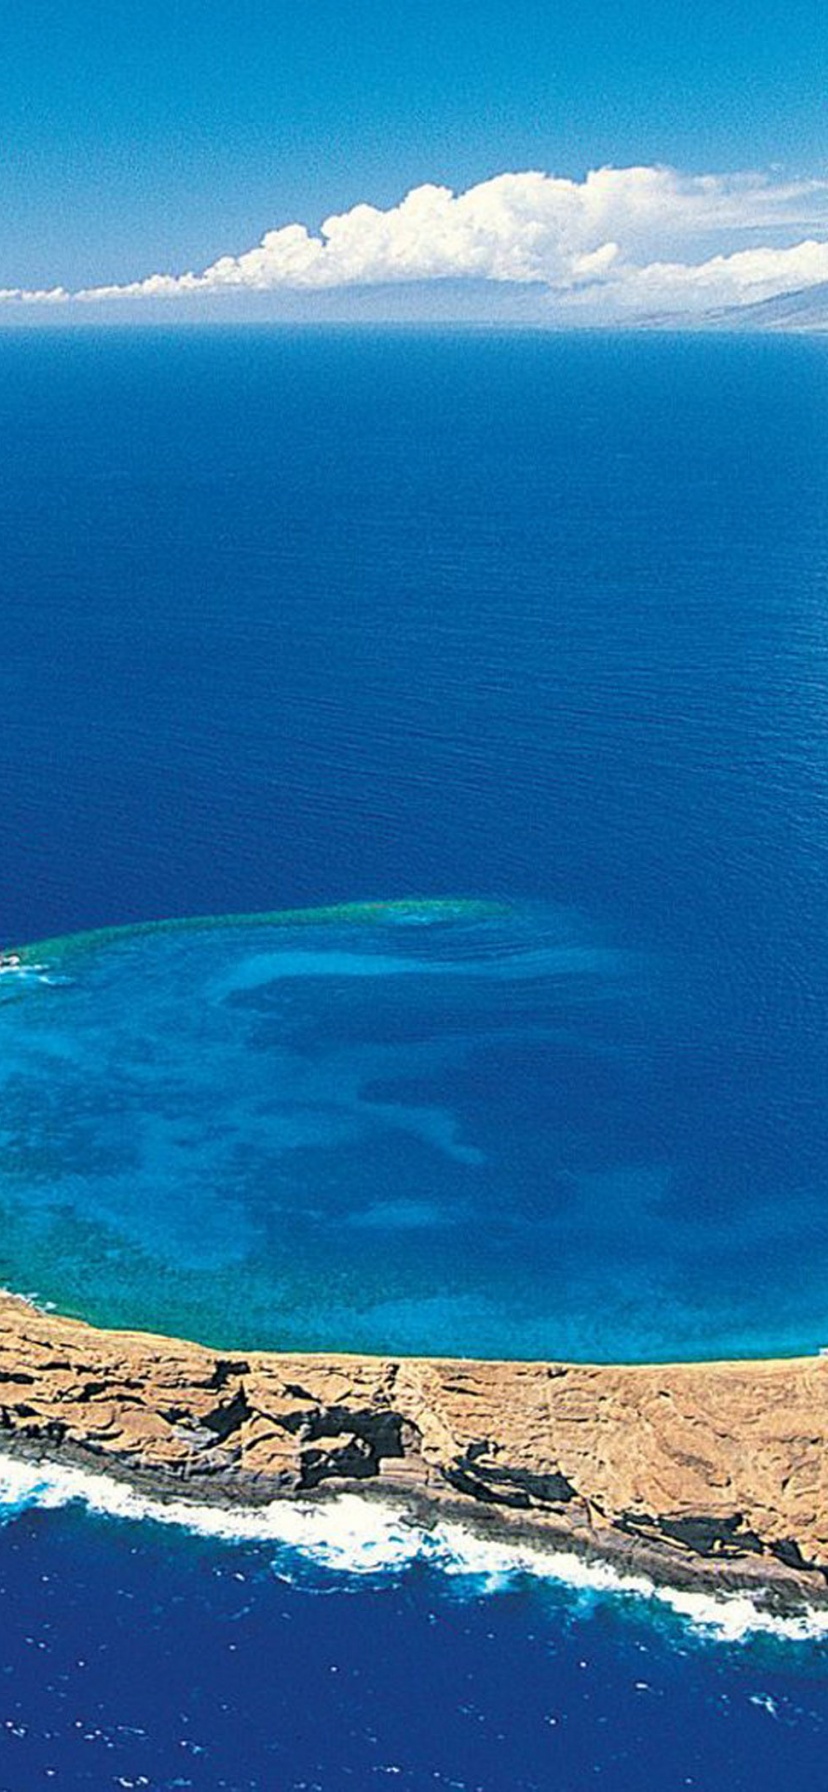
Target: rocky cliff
<point x="714" y="1472"/>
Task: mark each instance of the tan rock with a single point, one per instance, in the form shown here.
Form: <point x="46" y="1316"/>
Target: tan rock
<point x="709" y="1468"/>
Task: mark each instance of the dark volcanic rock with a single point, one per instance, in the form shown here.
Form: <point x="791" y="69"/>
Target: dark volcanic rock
<point x="717" y="1471"/>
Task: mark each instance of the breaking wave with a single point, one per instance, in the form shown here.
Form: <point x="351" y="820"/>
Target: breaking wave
<point x="351" y="1537"/>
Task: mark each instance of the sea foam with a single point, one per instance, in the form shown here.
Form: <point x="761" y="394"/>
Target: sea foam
<point x="349" y="1536"/>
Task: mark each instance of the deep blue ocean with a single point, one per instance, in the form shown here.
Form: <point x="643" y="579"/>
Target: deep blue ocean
<point x="311" y="619"/>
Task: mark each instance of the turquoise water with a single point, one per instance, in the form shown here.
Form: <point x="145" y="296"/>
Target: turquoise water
<point x="293" y="617"/>
<point x="354" y="1129"/>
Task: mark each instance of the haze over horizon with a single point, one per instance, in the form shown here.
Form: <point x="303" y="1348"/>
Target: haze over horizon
<point x="493" y="163"/>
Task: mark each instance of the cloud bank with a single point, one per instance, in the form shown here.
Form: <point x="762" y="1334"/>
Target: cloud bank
<point x="624" y="244"/>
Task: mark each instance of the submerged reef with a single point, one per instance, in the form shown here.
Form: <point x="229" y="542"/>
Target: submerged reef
<point x="705" y="1474"/>
<point x="699" y="1474"/>
<point x="400" y="911"/>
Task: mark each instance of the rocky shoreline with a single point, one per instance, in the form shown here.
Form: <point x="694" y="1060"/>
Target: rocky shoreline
<point x="711" y="1476"/>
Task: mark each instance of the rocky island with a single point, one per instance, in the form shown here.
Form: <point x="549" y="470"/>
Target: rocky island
<point x="707" y="1474"/>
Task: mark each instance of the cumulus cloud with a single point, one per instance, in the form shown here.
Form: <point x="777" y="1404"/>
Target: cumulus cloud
<point x="618" y="244"/>
<point x="693" y="290"/>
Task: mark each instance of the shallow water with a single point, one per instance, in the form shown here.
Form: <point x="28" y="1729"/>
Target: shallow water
<point x="293" y="618"/>
<point x="290" y="618"/>
<point x="355" y="1131"/>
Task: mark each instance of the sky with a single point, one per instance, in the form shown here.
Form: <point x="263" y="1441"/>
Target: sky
<point x="145" y="138"/>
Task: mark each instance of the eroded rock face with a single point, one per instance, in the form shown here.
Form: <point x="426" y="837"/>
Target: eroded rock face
<point x="712" y="1470"/>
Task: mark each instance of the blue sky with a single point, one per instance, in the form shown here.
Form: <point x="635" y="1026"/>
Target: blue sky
<point x="142" y="137"/>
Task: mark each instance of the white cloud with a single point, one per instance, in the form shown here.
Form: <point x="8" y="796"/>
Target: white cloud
<point x="619" y="244"/>
<point x="53" y="295"/>
<point x="688" y="289"/>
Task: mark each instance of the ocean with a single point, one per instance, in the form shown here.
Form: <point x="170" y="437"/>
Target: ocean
<point x="528" y="634"/>
<point x="133" y="1657"/>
